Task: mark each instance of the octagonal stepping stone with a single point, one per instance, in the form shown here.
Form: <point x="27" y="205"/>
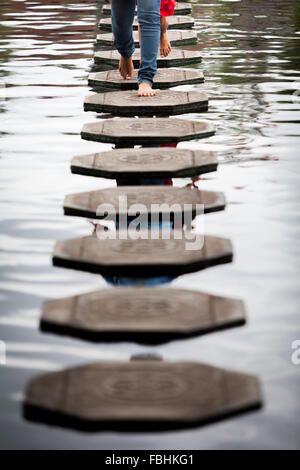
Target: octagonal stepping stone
<point x="176" y="38"/>
<point x="139" y="394"/>
<point x="165" y="102"/>
<point x="176" y="58"/>
<point x="165" y="78"/>
<point x="164" y="162"/>
<point x="146" y="131"/>
<point x="150" y="256"/>
<point x="152" y="200"/>
<point x="175" y="22"/>
<point x="181" y="8"/>
<point x="141" y="314"/>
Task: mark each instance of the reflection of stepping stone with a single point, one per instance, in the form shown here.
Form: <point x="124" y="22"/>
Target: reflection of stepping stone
<point x="176" y="38"/>
<point x="165" y="78"/>
<point x="177" y="57"/>
<point x="146" y="131"/>
<point x="141" y="314"/>
<point x="180" y="9"/>
<point x="145" y="162"/>
<point x="175" y="22"/>
<point x="125" y="256"/>
<point x="165" y="102"/>
<point x="154" y="200"/>
<point x="139" y="394"/>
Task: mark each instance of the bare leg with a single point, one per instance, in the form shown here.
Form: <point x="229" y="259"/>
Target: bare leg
<point x="164" y="43"/>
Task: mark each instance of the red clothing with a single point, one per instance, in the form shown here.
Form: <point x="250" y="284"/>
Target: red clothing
<point x="167" y="7"/>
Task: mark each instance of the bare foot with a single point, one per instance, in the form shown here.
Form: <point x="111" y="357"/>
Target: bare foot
<point x="145" y="90"/>
<point x="126" y="67"/>
<point x="164" y="45"/>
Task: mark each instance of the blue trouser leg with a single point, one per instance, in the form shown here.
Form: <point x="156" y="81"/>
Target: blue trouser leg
<point x="122" y="16"/>
<point x="149" y="21"/>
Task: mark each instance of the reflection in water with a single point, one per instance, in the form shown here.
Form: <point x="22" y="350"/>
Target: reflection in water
<point x="131" y="281"/>
<point x="147" y="181"/>
<point x="251" y="58"/>
<point x="153" y="281"/>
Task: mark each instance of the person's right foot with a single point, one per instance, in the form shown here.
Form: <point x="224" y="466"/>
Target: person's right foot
<point x="126" y="67"/>
<point x="164" y="45"/>
<point x="145" y="90"/>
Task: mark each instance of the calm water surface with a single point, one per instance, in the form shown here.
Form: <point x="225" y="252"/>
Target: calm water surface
<point x="251" y="59"/>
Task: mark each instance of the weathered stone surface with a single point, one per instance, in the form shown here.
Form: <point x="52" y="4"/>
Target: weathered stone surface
<point x="175" y="22"/>
<point x="152" y="200"/>
<point x="125" y="256"/>
<point x="145" y="162"/>
<point x="176" y="38"/>
<point x="176" y="58"/>
<point x="181" y="8"/>
<point x="146" y="131"/>
<point x="142" y="314"/>
<point x="140" y="393"/>
<point x="165" y="78"/>
<point x="165" y="102"/>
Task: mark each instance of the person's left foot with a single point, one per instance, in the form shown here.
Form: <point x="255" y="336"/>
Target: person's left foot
<point x="145" y="90"/>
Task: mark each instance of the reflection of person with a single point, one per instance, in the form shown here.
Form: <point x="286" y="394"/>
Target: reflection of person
<point x="132" y="281"/>
<point x="122" y="15"/>
<point x="150" y="281"/>
<point x="146" y="181"/>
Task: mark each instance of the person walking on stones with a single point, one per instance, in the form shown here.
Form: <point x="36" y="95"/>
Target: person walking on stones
<point x="122" y="17"/>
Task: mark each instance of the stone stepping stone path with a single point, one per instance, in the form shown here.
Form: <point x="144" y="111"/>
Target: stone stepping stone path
<point x="145" y="162"/>
<point x="148" y="257"/>
<point x="165" y="102"/>
<point x="175" y="22"/>
<point x="165" y="78"/>
<point x="142" y="394"/>
<point x="181" y="8"/>
<point x="141" y="314"/>
<point x="145" y="131"/>
<point x="176" y="38"/>
<point x="176" y="58"/>
<point x="156" y="200"/>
